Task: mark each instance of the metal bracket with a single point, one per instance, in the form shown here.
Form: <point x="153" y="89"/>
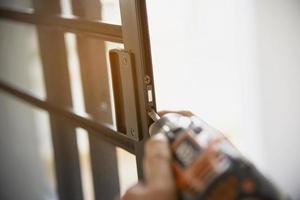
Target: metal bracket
<point x="124" y="92"/>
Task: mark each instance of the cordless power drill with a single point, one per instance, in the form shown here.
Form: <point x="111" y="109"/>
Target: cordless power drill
<point x="206" y="165"/>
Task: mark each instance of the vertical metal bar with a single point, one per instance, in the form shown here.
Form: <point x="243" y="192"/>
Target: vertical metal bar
<point x="136" y="40"/>
<point x="94" y="74"/>
<point x="53" y="55"/>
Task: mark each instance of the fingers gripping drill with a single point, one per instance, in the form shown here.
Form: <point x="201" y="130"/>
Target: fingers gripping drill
<point x="206" y="165"/>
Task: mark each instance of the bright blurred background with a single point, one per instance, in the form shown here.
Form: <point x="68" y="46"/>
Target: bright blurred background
<point x="234" y="63"/>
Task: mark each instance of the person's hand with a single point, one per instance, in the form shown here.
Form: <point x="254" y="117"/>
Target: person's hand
<point x="159" y="181"/>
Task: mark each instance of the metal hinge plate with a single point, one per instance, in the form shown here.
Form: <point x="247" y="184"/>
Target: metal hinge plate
<point x="124" y="92"/>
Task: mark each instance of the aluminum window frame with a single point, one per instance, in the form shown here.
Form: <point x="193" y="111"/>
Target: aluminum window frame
<point x="133" y="33"/>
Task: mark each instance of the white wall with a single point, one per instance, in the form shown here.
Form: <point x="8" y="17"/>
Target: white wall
<point x="278" y="53"/>
<point x="237" y="65"/>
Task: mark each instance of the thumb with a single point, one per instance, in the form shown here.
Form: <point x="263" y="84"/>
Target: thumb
<point x="157" y="163"/>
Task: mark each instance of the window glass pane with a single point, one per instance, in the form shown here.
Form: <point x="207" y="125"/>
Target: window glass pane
<point x="90" y="76"/>
<point x="85" y="163"/>
<point x="127" y="170"/>
<point x="111" y="11"/>
<point x="78" y="64"/>
<point x="16" y="4"/>
<point x="27" y="165"/>
<point x="21" y="67"/>
<point x="107" y="11"/>
<point x="20" y="63"/>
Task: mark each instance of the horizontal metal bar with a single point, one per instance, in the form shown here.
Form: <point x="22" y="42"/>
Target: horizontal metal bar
<point x="109" y="32"/>
<point x="101" y="130"/>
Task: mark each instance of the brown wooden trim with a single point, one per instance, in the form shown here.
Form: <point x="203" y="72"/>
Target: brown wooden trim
<point x="103" y="131"/>
<point x="109" y="32"/>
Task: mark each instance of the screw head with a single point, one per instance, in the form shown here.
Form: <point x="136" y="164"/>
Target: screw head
<point x="124" y="61"/>
<point x="132" y="132"/>
<point x="147" y="79"/>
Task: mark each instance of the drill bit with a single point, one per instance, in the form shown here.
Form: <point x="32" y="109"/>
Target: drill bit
<point x="153" y="115"/>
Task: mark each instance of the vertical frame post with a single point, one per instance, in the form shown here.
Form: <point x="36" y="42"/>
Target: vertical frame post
<point x="95" y="81"/>
<point x="136" y="40"/>
<point x="57" y="81"/>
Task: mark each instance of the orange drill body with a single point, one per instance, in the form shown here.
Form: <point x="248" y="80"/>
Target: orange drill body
<point x="207" y="166"/>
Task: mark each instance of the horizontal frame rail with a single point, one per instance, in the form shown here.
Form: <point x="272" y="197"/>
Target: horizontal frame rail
<point x="109" y="32"/>
<point x="111" y="136"/>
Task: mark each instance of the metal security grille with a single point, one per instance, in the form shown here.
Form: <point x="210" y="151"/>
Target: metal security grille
<point x="132" y="78"/>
